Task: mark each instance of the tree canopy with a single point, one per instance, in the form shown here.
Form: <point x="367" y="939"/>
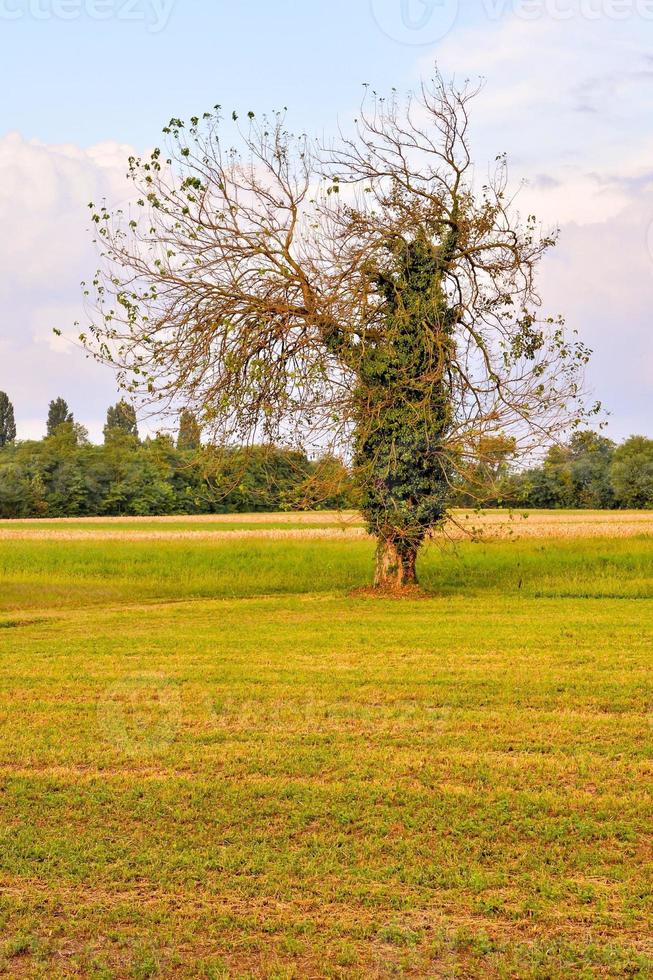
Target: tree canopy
<point x="121" y="419"/>
<point x="65" y="476"/>
<point x="632" y="472"/>
<point x="366" y="295"/>
<point x="61" y="477"/>
<point x="7" y="420"/>
<point x="58" y="414"/>
<point x="190" y="431"/>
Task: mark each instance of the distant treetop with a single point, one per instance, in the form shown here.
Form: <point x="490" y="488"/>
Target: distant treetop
<point x="190" y="431"/>
<point x="121" y="417"/>
<point x="7" y="420"/>
<point x="58" y="414"/>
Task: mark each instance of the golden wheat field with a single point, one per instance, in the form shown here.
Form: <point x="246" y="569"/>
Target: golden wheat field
<point x="487" y="525"/>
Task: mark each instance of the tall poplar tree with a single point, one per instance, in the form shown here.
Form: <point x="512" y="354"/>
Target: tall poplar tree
<point x="58" y="414"/>
<point x="7" y="420"/>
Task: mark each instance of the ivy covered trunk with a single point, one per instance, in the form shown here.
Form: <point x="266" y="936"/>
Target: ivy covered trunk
<point x="396" y="566"/>
<point x="404" y="412"/>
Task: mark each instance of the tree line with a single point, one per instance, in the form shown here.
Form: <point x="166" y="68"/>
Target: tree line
<point x="589" y="472"/>
<point x="65" y="475"/>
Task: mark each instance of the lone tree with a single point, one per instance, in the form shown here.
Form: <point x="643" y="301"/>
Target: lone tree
<point x="190" y="432"/>
<point x="121" y="418"/>
<point x="365" y="295"/>
<point x="58" y="414"/>
<point x="7" y="420"/>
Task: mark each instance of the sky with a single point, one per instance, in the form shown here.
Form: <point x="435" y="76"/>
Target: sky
<point x="568" y="94"/>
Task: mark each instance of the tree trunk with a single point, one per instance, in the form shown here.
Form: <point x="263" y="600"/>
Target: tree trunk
<point x="395" y="565"/>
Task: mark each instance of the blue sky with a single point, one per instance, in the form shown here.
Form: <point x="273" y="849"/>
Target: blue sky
<point x="85" y="80"/>
<point x="568" y="93"/>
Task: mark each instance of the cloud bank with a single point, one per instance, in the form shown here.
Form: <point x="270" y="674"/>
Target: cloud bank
<point x="571" y="101"/>
<point x="45" y="252"/>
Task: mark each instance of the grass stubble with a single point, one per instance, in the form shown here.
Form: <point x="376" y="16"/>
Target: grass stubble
<point x="215" y="761"/>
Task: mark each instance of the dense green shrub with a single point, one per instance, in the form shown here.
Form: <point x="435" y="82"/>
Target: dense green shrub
<point x="590" y="472"/>
<point x="64" y="475"/>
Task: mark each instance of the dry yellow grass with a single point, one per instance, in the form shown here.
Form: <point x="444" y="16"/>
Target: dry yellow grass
<point x="176" y="535"/>
<point x="553" y="524"/>
<point x="278" y="517"/>
<point x="332" y="526"/>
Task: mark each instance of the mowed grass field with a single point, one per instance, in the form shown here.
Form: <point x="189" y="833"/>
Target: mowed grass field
<point x="218" y="760"/>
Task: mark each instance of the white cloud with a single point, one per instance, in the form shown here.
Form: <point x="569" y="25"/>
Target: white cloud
<point x="45" y="252"/>
<point x="565" y="98"/>
<point x="570" y="102"/>
<point x="601" y="276"/>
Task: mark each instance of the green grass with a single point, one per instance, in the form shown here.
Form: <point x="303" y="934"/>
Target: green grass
<point x="117" y="524"/>
<point x="215" y="762"/>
